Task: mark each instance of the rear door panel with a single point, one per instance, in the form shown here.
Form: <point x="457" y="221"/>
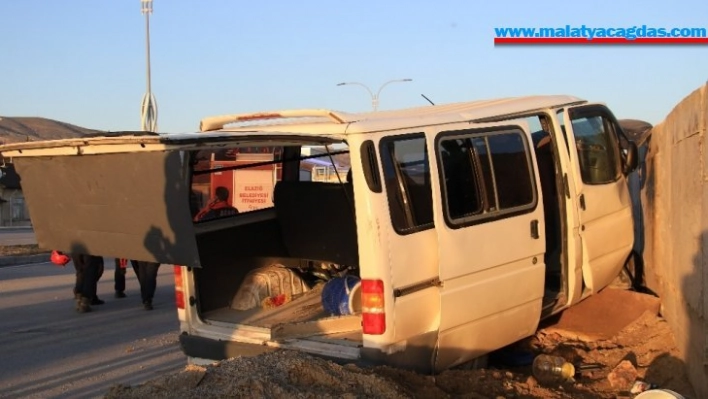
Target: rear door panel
<point x="123" y="194"/>
<point x="132" y="205"/>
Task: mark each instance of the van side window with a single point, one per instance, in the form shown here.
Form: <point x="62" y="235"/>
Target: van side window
<point x="595" y="141"/>
<point x="511" y="170"/>
<point x="407" y="178"/>
<point x="318" y="166"/>
<point x="485" y="175"/>
<point x="464" y="189"/>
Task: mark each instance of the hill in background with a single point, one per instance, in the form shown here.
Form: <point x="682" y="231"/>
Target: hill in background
<point x="19" y="129"/>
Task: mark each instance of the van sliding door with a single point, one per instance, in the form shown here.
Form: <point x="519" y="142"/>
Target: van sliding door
<point x="490" y="226"/>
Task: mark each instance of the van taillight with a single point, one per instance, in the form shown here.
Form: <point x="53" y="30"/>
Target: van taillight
<point x="373" y="312"/>
<point x="179" y="288"/>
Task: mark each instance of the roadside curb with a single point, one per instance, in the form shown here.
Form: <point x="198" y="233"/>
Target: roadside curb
<point x="23" y="260"/>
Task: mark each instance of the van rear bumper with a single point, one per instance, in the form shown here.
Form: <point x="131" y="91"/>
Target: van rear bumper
<point x="418" y="356"/>
<point x="213" y="349"/>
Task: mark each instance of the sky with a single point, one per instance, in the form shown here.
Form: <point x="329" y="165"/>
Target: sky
<point x="84" y="62"/>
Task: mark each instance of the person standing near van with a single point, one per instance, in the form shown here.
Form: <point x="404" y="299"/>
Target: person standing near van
<point x="147" y="277"/>
<point x="119" y="277"/>
<point x="89" y="269"/>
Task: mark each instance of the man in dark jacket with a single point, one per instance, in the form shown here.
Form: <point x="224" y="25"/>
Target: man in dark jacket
<point x="89" y="269"/>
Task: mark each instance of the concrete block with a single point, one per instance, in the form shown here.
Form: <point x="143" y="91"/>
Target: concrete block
<point x="685" y="119"/>
<point x="679" y="212"/>
<point x="687" y="220"/>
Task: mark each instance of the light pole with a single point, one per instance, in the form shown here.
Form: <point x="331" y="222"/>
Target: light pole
<point x="374" y="97"/>
<point x="148" y="116"/>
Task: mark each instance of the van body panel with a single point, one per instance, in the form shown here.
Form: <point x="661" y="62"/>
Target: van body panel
<point x="609" y="251"/>
<point x="416" y="353"/>
<point x="479" y="293"/>
<point x="607" y="209"/>
<point x="417" y="313"/>
<point x="411" y="259"/>
<point x="485" y="335"/>
<point x="417" y="260"/>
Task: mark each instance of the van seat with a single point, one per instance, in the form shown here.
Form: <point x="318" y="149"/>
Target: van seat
<point x="317" y="221"/>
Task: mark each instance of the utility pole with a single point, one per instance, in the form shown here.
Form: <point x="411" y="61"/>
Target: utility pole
<point x="148" y="117"/>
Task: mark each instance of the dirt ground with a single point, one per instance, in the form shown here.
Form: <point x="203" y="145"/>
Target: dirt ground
<point x="629" y="342"/>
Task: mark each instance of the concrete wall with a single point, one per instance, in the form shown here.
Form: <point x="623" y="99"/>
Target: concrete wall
<point x="675" y="205"/>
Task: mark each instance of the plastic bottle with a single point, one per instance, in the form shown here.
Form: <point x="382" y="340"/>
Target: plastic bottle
<point x="552" y="369"/>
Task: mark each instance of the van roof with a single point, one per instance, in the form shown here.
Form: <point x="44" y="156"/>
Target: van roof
<point x="292" y="127"/>
<point x="319" y="121"/>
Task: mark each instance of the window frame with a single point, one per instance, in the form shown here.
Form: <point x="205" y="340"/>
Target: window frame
<point x="407" y="209"/>
<point x="613" y="132"/>
<point x="486" y="215"/>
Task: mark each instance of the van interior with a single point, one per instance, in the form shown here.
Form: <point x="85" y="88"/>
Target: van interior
<point x="267" y="267"/>
<point x="546" y="150"/>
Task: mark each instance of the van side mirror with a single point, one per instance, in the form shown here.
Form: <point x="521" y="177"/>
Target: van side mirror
<point x="631" y="158"/>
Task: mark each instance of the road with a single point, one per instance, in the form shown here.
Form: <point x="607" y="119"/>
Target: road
<point x="47" y="349"/>
<point x="17" y="236"/>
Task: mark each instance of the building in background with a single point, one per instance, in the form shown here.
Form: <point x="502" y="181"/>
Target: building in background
<point x="13" y="209"/>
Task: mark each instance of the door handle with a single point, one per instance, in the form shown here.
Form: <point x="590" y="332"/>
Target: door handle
<point x="582" y="201"/>
<point x="534" y="230"/>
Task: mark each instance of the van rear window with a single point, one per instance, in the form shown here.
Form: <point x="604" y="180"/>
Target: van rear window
<point x="407" y="178"/>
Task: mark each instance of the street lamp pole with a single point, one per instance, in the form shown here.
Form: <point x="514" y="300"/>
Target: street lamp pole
<point x="374" y="97"/>
<point x="148" y="117"/>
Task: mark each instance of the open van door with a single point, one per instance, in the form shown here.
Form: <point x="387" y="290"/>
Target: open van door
<point x="119" y="195"/>
<point x="490" y="224"/>
<point x="606" y="230"/>
<point x="131" y="205"/>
